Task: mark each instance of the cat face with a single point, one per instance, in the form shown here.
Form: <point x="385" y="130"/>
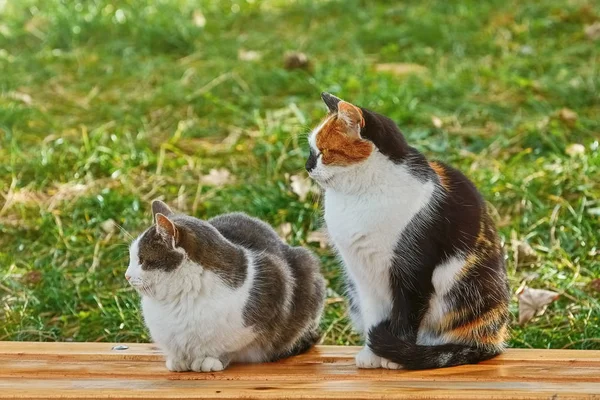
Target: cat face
<point x="336" y="146"/>
<point x="154" y="257"/>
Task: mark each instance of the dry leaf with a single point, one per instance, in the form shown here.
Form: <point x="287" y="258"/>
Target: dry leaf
<point x="320" y="237"/>
<point x="109" y="226"/>
<point x="523" y="253"/>
<point x="400" y="68"/>
<point x="575" y="149"/>
<point x="567" y="115"/>
<point x="534" y="302"/>
<point x="436" y="122"/>
<point x="217" y="177"/>
<point x="23" y="97"/>
<point x="32" y="277"/>
<point x="199" y="19"/>
<point x="301" y="186"/>
<point x="595" y="284"/>
<point x="296" y="60"/>
<point x="249" y="55"/>
<point x="284" y="230"/>
<point x="592" y="31"/>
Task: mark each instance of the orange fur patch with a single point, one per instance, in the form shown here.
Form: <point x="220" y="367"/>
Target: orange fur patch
<point x="441" y="173"/>
<point x="471" y="262"/>
<point x="475" y="330"/>
<point x="338" y="146"/>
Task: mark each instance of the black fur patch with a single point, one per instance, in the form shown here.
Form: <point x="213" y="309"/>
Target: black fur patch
<point x="412" y="356"/>
<point x="330" y="101"/>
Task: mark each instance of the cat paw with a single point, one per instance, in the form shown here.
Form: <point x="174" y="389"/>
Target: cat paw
<point x="387" y="364"/>
<point x="367" y="359"/>
<point x="208" y="364"/>
<point x="177" y="365"/>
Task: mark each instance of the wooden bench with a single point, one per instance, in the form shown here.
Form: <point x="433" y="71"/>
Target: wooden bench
<point x="96" y="370"/>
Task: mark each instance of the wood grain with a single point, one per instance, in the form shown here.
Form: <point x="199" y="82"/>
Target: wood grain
<point x="94" y="370"/>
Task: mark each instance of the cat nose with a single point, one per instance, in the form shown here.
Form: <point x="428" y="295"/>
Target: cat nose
<point x="311" y="163"/>
<point x="128" y="277"/>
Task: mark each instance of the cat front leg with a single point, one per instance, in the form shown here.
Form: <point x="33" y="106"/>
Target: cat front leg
<point x="375" y="307"/>
<point x="210" y="364"/>
<point x="177" y="364"/>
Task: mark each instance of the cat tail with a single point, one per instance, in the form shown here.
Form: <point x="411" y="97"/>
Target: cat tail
<point x="413" y="356"/>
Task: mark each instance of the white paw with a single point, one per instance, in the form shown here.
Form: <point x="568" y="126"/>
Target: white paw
<point x="367" y="359"/>
<point x="177" y="365"/>
<point x="387" y="364"/>
<point x="208" y="364"/>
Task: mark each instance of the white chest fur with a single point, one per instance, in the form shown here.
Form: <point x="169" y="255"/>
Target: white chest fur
<point x="365" y="227"/>
<point x="209" y="323"/>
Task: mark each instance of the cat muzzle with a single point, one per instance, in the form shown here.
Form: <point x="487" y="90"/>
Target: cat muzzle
<point x="311" y="163"/>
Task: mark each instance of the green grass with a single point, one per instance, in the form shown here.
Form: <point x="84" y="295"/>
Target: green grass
<point x="105" y="107"/>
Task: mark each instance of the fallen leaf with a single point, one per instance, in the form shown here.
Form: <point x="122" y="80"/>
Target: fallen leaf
<point x="575" y="149"/>
<point x="567" y="115"/>
<point x="23" y="97"/>
<point x="32" y="277"/>
<point x="284" y="230"/>
<point x="217" y="177"/>
<point x="592" y="31"/>
<point x="249" y="55"/>
<point x="301" y="186"/>
<point x="595" y="284"/>
<point x="534" y="302"/>
<point x="436" y="122"/>
<point x="523" y="253"/>
<point x="296" y="60"/>
<point x="199" y="19"/>
<point x="109" y="226"/>
<point x="400" y="69"/>
<point x="320" y="237"/>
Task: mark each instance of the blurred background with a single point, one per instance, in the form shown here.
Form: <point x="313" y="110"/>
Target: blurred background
<point x="106" y="105"/>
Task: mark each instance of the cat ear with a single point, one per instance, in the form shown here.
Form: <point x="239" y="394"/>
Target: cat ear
<point x="166" y="228"/>
<point x="330" y="101"/>
<point x="353" y="117"/>
<point x="160" y="207"/>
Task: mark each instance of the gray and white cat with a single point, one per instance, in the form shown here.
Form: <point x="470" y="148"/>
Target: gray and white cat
<point x="224" y="290"/>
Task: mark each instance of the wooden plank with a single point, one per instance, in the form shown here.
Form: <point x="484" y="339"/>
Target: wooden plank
<point x="520" y="371"/>
<point x="344" y="389"/>
<point x="94" y="370"/>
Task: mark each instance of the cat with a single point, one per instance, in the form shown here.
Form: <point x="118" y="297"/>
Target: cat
<point x="426" y="277"/>
<point x="224" y="290"/>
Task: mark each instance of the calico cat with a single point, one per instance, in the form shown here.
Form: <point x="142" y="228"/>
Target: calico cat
<point x="227" y="289"/>
<point x="426" y="277"/>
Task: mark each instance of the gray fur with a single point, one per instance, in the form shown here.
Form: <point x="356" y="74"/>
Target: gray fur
<point x="287" y="327"/>
<point x="288" y="292"/>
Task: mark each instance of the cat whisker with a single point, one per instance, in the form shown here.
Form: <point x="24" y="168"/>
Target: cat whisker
<point x="129" y="235"/>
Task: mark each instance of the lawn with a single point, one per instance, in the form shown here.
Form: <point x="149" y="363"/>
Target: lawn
<point x="106" y="105"/>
